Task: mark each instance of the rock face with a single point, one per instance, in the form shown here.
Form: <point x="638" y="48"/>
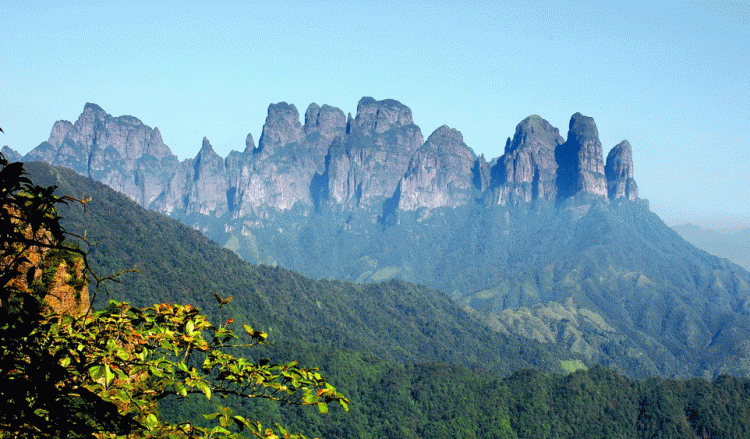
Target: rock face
<point x="120" y="152"/>
<point x="282" y="127"/>
<point x="580" y="159"/>
<point x="528" y="170"/>
<point x="277" y="174"/>
<point x="440" y="172"/>
<point x="375" y="162"/>
<point x="10" y="154"/>
<point x="365" y="167"/>
<point x="619" y="172"/>
<point x="326" y="120"/>
<point x="380" y="116"/>
<point x="207" y="192"/>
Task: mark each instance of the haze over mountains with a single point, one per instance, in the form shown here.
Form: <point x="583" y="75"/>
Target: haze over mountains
<point x="734" y="245"/>
<point x="548" y="241"/>
<point x="332" y="159"/>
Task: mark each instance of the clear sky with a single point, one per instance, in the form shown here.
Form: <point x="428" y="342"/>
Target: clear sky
<point x="672" y="78"/>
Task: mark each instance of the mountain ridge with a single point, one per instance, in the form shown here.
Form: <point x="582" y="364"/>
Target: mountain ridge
<point x="363" y="161"/>
<point x="549" y="240"/>
<point x="177" y="264"/>
<point x="733" y="245"/>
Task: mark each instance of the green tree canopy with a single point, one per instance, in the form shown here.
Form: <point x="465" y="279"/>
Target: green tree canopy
<point x="82" y="373"/>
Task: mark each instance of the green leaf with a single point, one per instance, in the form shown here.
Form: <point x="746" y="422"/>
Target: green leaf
<point x="322" y="407"/>
<point x="180" y="389"/>
<point x="108" y="374"/>
<point x="205" y="389"/>
<point x="152" y="422"/>
<point x="310" y="398"/>
<point x="241" y="422"/>
<point x="97" y="372"/>
<point x="111" y="345"/>
<point x="122" y="354"/>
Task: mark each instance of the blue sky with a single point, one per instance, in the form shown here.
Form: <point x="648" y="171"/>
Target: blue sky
<point x="673" y="78"/>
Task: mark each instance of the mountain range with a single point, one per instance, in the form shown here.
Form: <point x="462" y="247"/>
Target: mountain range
<point x="377" y="161"/>
<point x="734" y="245"/>
<point x="548" y="242"/>
<point x="413" y="363"/>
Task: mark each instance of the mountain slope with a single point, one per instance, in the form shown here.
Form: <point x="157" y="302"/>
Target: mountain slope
<point x="392" y="399"/>
<point x="549" y="241"/>
<point x="396" y="321"/>
<point x="734" y="246"/>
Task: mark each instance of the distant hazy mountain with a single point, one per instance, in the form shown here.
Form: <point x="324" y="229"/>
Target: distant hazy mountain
<point x="734" y="246"/>
<point x="548" y="241"/>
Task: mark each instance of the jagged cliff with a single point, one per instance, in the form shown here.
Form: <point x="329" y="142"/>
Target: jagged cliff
<point x="376" y="161"/>
<point x="548" y="239"/>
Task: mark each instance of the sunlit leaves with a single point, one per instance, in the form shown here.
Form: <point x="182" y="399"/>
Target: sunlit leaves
<point x="135" y="357"/>
<point x="103" y="373"/>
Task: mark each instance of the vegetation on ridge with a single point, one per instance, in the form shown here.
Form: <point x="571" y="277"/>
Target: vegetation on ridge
<point x="391" y="398"/>
<point x="82" y="373"/>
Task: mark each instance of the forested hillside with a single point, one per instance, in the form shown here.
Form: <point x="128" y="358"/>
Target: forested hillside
<point x="412" y="363"/>
<point x="548" y="242"/>
<point x="395" y="320"/>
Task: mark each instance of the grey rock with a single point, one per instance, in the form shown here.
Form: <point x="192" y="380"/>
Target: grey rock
<point x="10" y="154"/>
<point x="208" y="188"/>
<point x="619" y="172"/>
<point x="249" y="143"/>
<point x="380" y="116"/>
<point x="326" y="120"/>
<point x="580" y="161"/>
<point x="118" y="151"/>
<point x="365" y="167"/>
<point x="278" y="175"/>
<point x="481" y="174"/>
<point x="528" y="169"/>
<point x="440" y="173"/>
<point x="376" y="161"/>
<point x="282" y="127"/>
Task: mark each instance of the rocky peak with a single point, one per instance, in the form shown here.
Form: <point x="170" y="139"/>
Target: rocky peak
<point x="311" y="118"/>
<point x="481" y="173"/>
<point x="249" y="143"/>
<point x="619" y="172"/>
<point x="534" y="132"/>
<point x="582" y="128"/>
<point x="208" y="189"/>
<point x="121" y="152"/>
<point x="92" y="112"/>
<point x="528" y="169"/>
<point x="10" y="154"/>
<point x="281" y="128"/>
<point x="325" y="120"/>
<point x="445" y="139"/>
<point x="440" y="172"/>
<point x="367" y="166"/>
<point x="580" y="161"/>
<point x="207" y="154"/>
<point x="95" y="129"/>
<point x="380" y="116"/>
<point x="60" y="130"/>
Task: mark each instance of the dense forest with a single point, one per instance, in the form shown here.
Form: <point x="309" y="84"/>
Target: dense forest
<point x="411" y="362"/>
<point x="438" y="400"/>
